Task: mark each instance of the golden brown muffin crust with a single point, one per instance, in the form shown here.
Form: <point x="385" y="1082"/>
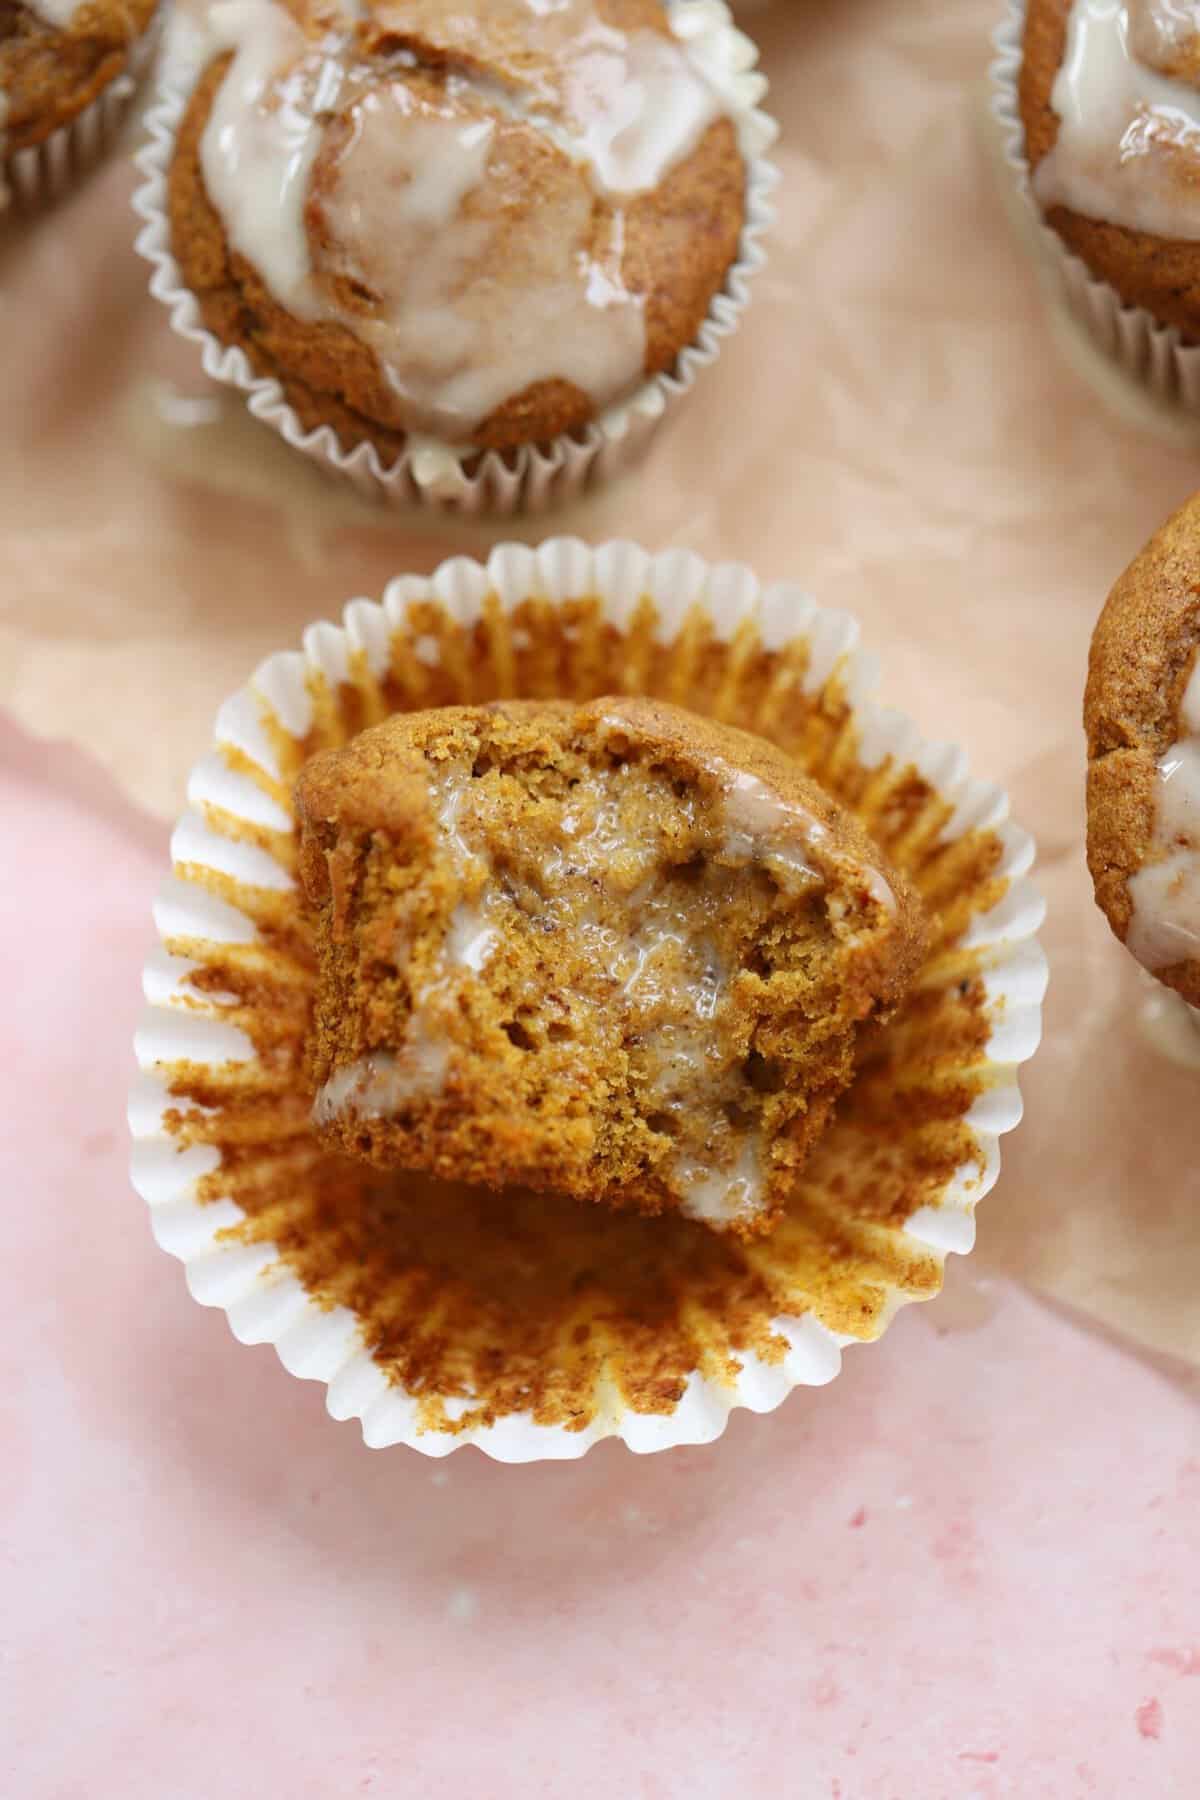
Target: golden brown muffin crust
<point x="1142" y="654"/>
<point x="1160" y="274"/>
<point x="50" y="73"/>
<point x="680" y="239"/>
<point x="752" y="978"/>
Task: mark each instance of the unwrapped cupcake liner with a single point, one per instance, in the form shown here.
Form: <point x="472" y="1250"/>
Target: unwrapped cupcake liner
<point x="1157" y="356"/>
<point x="537" y="476"/>
<point x="41" y="175"/>
<point x="533" y="1327"/>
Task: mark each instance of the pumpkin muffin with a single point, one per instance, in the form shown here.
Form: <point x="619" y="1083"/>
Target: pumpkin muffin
<point x="56" y="59"/>
<point x="1142" y="715"/>
<point x="1109" y="97"/>
<point x="610" y="951"/>
<point x="481" y="226"/>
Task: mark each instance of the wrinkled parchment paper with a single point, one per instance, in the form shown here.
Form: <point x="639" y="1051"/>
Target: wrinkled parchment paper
<point x="900" y="427"/>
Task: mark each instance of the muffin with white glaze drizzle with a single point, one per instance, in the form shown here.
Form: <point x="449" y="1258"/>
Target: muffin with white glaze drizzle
<point x="57" y="57"/>
<point x="481" y="227"/>
<point x="1142" y="714"/>
<point x="1108" y="97"/>
<point x="611" y="951"/>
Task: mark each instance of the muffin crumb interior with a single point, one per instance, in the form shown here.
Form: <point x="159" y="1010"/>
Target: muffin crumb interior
<point x="573" y="951"/>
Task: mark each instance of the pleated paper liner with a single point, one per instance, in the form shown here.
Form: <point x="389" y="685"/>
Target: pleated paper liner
<point x="441" y="1315"/>
<point x="34" y="179"/>
<point x="1156" y="356"/>
<point x="537" y="476"/>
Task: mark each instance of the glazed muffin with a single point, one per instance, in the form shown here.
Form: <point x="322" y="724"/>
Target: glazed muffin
<point x="56" y="59"/>
<point x="1109" y="98"/>
<point x="481" y="227"/>
<point x="611" y="951"/>
<point x="1142" y="715"/>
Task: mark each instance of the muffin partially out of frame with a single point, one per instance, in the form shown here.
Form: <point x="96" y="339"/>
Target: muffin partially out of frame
<point x="612" y="951"/>
<point x="56" y="58"/>
<point x="1109" y="99"/>
<point x="1142" y="715"/>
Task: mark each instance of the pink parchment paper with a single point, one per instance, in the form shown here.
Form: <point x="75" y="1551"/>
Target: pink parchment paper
<point x="971" y="1569"/>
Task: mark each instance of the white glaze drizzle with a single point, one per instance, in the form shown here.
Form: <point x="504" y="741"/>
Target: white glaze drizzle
<point x="626" y="105"/>
<point x="262" y="139"/>
<point x="379" y="1085"/>
<point x="55" y="12"/>
<point x="635" y="106"/>
<point x="453" y="336"/>
<point x="722" y="1196"/>
<point x="763" y="827"/>
<point x="1165" y="927"/>
<point x="1123" y="123"/>
<point x="470" y="940"/>
<point x="474" y="302"/>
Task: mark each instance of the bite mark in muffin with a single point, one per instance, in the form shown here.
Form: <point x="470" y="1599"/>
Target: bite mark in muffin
<point x="614" y="951"/>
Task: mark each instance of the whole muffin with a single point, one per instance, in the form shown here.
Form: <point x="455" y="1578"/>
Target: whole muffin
<point x="56" y="58"/>
<point x="1109" y="97"/>
<point x="482" y="225"/>
<point x="612" y="951"/>
<point x="1142" y="715"/>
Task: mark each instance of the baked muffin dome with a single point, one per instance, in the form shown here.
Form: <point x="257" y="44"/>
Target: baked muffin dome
<point x="1142" y="715"/>
<point x="612" y="951"/>
<point x="56" y="58"/>
<point x="482" y="225"/>
<point x="1109" y="97"/>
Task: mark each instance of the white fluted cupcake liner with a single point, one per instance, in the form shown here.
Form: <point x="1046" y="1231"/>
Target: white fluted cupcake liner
<point x="574" y="620"/>
<point x="1156" y="355"/>
<point x="38" y="177"/>
<point x="537" y="476"/>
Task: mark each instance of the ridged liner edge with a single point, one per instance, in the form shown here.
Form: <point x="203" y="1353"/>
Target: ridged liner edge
<point x="264" y="1302"/>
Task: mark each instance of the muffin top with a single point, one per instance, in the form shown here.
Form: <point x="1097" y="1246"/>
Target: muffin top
<point x="483" y="225"/>
<point x="56" y="57"/>
<point x="1142" y="715"/>
<point x="1110" y="102"/>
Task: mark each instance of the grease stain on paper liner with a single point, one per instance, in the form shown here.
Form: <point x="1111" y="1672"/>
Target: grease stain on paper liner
<point x="482" y="1304"/>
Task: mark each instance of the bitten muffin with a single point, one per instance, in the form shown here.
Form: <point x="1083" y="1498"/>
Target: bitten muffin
<point x="611" y="951"/>
<point x="1109" y="97"/>
<point x="1142" y="715"/>
<point x="55" y="59"/>
<point x="480" y="225"/>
